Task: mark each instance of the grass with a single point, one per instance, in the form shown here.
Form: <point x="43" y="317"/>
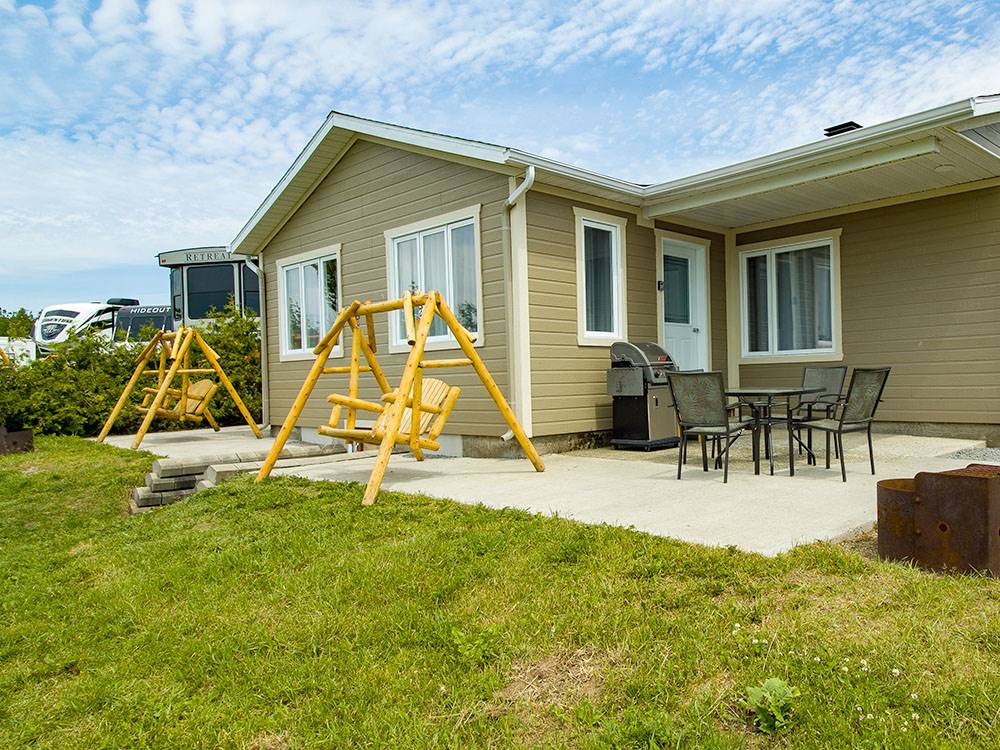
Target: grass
<point x="284" y="615"/>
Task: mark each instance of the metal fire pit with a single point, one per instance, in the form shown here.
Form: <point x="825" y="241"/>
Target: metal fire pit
<point x="947" y="520"/>
<point x="18" y="441"/>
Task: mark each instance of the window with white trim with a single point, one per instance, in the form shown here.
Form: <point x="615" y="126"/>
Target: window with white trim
<point x="788" y="299"/>
<point x="600" y="274"/>
<point x="310" y="300"/>
<point x="443" y="258"/>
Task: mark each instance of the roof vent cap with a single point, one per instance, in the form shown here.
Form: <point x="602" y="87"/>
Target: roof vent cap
<point x="844" y="127"/>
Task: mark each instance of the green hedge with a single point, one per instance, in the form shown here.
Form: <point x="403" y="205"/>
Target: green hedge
<point x="72" y="391"/>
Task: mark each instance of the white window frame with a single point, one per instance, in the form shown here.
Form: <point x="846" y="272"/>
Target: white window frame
<point x="447" y="221"/>
<point x="831" y="239"/>
<point x="616" y="225"/>
<point x="324" y="253"/>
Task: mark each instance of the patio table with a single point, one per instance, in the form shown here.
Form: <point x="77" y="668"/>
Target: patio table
<point x="762" y="416"/>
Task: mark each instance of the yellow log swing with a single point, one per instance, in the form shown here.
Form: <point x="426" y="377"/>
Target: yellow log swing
<point x="414" y="419"/>
<point x="190" y="402"/>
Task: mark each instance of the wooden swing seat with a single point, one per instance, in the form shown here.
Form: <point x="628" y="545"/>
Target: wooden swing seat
<point x="414" y="413"/>
<point x="436" y="397"/>
<point x="199" y="396"/>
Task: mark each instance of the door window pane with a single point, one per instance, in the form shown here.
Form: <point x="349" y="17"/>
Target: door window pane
<point x="756" y="291"/>
<point x="209" y="287"/>
<point x="599" y="281"/>
<point x="311" y="303"/>
<point x="676" y="290"/>
<point x="251" y="291"/>
<point x="464" y="299"/>
<point x="293" y="308"/>
<point x="436" y="274"/>
<point x="803" y="299"/>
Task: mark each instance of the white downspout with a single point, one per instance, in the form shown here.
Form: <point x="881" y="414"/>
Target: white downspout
<point x="265" y="399"/>
<point x="520" y="349"/>
<point x="524" y="187"/>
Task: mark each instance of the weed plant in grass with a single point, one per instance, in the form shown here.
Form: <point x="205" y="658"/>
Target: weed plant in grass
<point x="286" y="615"/>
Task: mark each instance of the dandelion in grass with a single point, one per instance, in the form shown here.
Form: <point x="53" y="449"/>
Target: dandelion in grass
<point x="896" y="672"/>
<point x="915" y="716"/>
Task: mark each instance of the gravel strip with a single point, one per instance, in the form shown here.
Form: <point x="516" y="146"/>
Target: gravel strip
<point x="982" y="455"/>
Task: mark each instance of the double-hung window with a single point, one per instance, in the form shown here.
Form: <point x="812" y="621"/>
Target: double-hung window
<point x="789" y="299"/>
<point x="309" y="291"/>
<point x="600" y="278"/>
<point x="440" y="254"/>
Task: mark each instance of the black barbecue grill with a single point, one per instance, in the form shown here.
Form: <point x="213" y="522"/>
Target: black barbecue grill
<point x="642" y="410"/>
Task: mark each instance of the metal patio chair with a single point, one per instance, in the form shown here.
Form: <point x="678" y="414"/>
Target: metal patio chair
<point x="818" y="405"/>
<point x="857" y="412"/>
<point x="700" y="403"/>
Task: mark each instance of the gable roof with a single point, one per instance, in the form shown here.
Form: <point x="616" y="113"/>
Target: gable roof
<point x="965" y="132"/>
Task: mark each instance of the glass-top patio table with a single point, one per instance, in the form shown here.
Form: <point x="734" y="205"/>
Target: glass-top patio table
<point x="753" y="396"/>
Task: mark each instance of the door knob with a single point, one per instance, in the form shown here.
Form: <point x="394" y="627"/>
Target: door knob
<point x="696" y="330"/>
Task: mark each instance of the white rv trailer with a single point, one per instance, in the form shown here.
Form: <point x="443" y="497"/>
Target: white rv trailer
<point x="203" y="278"/>
<point x="56" y="322"/>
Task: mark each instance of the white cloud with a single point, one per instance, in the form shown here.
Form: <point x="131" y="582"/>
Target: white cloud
<point x="128" y="130"/>
<point x="115" y="18"/>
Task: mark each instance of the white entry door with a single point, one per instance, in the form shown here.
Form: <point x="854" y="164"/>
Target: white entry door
<point x="683" y="303"/>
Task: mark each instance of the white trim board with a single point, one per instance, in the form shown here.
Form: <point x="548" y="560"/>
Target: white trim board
<point x="617" y="225"/>
<point x="830" y="237"/>
<point x="705" y="246"/>
<point x="471" y="213"/>
<point x="334" y="250"/>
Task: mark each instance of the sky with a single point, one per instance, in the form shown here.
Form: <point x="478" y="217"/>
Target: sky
<point x="131" y="128"/>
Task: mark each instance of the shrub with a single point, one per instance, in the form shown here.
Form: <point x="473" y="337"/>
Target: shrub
<point x="16" y="325"/>
<point x="771" y="704"/>
<point x="72" y="391"/>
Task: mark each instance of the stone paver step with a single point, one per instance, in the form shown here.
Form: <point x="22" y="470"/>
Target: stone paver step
<point x="218" y="473"/>
<point x="168" y="484"/>
<point x="165" y="468"/>
<point x="145" y="498"/>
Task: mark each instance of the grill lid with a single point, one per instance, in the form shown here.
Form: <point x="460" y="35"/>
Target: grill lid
<point x="641" y="354"/>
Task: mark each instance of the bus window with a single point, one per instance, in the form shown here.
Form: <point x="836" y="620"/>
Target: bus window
<point x="177" y="293"/>
<point x="251" y="292"/>
<point x="207" y="287"/>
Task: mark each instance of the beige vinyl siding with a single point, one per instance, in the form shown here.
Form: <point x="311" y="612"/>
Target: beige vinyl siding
<point x="920" y="292"/>
<point x="372" y="189"/>
<point x="568" y="381"/>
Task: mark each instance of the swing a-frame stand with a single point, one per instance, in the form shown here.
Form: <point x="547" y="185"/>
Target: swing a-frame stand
<point x="412" y="414"/>
<point x="190" y="402"/>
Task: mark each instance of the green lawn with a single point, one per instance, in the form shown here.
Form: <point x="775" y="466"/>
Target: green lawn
<point x="286" y="615"/>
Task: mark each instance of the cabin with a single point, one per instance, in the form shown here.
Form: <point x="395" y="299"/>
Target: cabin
<point x="875" y="245"/>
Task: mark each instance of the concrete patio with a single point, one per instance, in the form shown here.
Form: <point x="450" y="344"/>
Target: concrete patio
<point x="764" y="514"/>
<point x="198" y="443"/>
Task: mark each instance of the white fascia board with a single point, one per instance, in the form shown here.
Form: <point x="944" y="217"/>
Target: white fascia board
<point x="817" y="151"/>
<point x="447" y="144"/>
<point x="790" y="178"/>
<point x="523" y="159"/>
<point x="986" y="105"/>
<point x="236" y="245"/>
<point x="487" y="152"/>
